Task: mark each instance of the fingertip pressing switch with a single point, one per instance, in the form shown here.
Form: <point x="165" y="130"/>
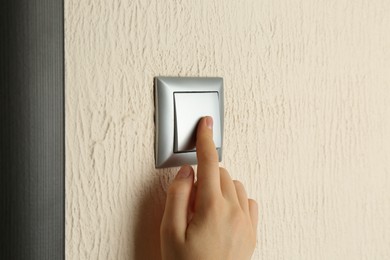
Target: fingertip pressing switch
<point x="189" y="109"/>
<point x="180" y="104"/>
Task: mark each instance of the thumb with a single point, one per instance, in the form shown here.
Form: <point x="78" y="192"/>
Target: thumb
<point x="174" y="221"/>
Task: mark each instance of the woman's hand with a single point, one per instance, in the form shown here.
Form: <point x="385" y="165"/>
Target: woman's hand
<point x="211" y="219"/>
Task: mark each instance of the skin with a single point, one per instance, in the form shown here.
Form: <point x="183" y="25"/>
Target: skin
<point x="212" y="218"/>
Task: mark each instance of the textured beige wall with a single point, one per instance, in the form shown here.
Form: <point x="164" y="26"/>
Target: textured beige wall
<point x="307" y="130"/>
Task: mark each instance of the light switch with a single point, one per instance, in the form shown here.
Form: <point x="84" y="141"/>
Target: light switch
<point x="189" y="109"/>
<point x="180" y="103"/>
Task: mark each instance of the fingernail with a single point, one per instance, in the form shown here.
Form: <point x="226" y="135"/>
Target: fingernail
<point x="184" y="172"/>
<point x="209" y="122"/>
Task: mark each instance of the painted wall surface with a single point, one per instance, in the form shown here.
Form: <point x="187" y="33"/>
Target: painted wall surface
<point x="307" y="120"/>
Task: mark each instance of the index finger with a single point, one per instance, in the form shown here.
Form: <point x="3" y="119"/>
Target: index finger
<point x="209" y="183"/>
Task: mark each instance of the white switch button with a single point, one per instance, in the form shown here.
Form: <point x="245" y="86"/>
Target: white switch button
<point x="189" y="109"/>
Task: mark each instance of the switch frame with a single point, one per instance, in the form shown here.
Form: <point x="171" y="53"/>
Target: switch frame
<point x="164" y="88"/>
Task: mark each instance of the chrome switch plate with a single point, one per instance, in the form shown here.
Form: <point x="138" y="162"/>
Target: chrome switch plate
<point x="180" y="103"/>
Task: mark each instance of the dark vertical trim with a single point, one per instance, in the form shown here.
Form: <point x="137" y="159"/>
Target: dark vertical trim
<point x="32" y="163"/>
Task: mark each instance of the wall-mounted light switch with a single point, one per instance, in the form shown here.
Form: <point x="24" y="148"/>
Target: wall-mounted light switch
<point x="180" y="104"/>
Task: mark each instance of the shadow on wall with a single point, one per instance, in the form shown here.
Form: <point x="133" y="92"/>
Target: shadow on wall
<point x="148" y="218"/>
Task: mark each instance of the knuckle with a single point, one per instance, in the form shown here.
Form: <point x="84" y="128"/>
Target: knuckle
<point x="205" y="138"/>
<point x="214" y="207"/>
<point x="223" y="170"/>
<point x="176" y="190"/>
<point x="172" y="189"/>
<point x="237" y="218"/>
<point x="238" y="184"/>
<point x="206" y="149"/>
<point x="253" y="203"/>
<point x="169" y="232"/>
<point x="207" y="156"/>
